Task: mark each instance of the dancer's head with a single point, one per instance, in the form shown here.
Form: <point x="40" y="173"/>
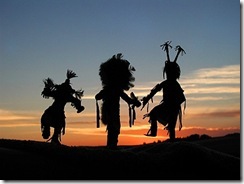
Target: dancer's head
<point x="172" y="70"/>
<point x="117" y="72"/>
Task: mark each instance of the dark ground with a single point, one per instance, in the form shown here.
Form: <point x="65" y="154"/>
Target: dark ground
<point x="193" y="158"/>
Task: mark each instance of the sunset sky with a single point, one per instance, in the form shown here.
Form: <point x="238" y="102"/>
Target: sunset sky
<point x="44" y="38"/>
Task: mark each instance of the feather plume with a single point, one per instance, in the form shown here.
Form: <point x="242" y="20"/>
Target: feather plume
<point x="49" y="88"/>
<point x="70" y="74"/>
<point x="79" y="93"/>
<point x="49" y="83"/>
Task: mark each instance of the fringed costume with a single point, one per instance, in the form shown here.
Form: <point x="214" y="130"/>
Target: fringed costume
<point x="116" y="76"/>
<point x="169" y="108"/>
<point x="54" y="116"/>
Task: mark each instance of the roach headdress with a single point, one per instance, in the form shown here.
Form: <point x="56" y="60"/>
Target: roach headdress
<point x="171" y="68"/>
<point x="51" y="87"/>
<point x="117" y="72"/>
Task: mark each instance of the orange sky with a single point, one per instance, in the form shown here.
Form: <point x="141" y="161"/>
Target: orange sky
<point x="86" y="134"/>
<point x="212" y="108"/>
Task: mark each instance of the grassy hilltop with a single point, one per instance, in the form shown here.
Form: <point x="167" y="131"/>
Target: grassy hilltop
<point x="191" y="158"/>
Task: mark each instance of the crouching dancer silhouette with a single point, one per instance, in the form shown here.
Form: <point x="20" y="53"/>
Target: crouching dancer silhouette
<point x="169" y="108"/>
<point x="54" y="116"/>
<point x="116" y="76"/>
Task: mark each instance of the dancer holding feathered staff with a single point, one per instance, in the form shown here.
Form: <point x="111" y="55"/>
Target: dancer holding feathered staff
<point x="169" y="108"/>
<point x="54" y="115"/>
<point x="116" y="75"/>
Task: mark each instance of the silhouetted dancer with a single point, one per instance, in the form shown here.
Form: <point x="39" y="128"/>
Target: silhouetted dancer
<point x="116" y="76"/>
<point x="169" y="108"/>
<point x="54" y="116"/>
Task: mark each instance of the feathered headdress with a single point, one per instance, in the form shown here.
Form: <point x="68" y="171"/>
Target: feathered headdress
<point x="51" y="87"/>
<point x="117" y="72"/>
<point x="172" y="69"/>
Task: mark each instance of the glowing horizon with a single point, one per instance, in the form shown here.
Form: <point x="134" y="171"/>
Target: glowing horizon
<point x="214" y="121"/>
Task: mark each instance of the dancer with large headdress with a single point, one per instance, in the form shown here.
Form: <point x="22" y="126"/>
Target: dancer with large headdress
<point x="116" y="75"/>
<point x="54" y="115"/>
<point x="169" y="108"/>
